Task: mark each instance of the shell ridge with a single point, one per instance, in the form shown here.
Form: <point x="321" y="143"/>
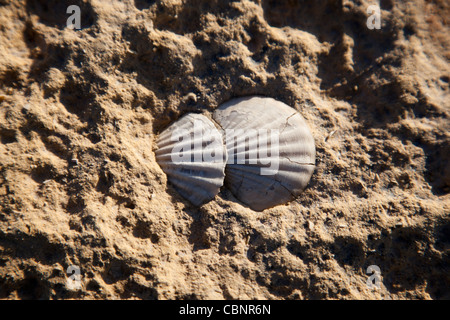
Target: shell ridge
<point x="195" y="162"/>
<point x="294" y="155"/>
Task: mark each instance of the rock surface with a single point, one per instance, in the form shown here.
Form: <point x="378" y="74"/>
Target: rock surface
<point x="79" y="184"/>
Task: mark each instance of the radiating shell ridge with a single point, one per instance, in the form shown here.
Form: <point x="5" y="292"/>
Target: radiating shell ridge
<point x="192" y="154"/>
<point x="292" y="158"/>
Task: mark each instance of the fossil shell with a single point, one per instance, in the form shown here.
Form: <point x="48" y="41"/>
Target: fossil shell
<point x="257" y="173"/>
<point x="192" y="154"/>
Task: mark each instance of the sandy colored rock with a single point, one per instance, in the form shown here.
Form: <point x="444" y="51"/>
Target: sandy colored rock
<point x="377" y="103"/>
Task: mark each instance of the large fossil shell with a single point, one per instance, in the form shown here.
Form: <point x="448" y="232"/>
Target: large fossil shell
<point x="260" y="178"/>
<point x="192" y="154"/>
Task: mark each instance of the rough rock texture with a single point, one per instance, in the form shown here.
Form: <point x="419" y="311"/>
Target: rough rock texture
<point x="79" y="184"/>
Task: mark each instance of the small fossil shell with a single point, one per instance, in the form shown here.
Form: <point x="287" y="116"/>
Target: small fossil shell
<point x="271" y="152"/>
<point x="192" y="154"/>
